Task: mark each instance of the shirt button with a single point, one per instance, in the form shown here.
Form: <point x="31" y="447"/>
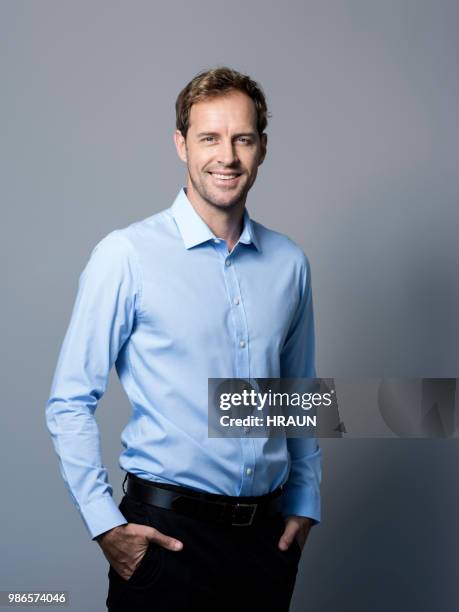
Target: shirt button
<point x="216" y="240"/>
<point x="248" y="471"/>
<point x="228" y="262"/>
<point x="242" y="343"/>
<point x="236" y="301"/>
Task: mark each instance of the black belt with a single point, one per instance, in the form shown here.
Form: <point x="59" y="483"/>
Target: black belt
<point x="236" y="511"/>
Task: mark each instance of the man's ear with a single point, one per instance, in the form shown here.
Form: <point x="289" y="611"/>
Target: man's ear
<point x="263" y="147"/>
<point x="180" y="145"/>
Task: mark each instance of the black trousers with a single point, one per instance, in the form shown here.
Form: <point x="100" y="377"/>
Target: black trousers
<point x="219" y="568"/>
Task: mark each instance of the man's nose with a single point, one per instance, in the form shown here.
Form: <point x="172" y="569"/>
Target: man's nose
<point x="227" y="153"/>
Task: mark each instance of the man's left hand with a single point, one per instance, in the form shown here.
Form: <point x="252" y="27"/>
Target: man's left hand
<point x="295" y="527"/>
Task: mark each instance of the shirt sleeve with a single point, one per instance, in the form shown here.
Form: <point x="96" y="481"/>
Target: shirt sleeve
<point x="302" y="489"/>
<point x="101" y="322"/>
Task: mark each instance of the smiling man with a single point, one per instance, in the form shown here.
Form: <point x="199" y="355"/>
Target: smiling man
<point x="199" y="290"/>
<point x="222" y="149"/>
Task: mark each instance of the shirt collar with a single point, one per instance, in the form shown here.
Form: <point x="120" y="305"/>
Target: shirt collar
<point x="194" y="230"/>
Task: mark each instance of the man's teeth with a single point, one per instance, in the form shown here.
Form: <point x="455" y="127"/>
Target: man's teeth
<point x="225" y="177"/>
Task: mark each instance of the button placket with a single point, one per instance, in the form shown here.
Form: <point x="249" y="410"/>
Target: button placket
<point x="238" y="317"/>
<point x="241" y="360"/>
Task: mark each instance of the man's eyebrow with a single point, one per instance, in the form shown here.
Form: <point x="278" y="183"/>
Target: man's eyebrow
<point x="251" y="134"/>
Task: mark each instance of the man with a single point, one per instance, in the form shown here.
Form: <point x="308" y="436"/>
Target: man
<point x="196" y="291"/>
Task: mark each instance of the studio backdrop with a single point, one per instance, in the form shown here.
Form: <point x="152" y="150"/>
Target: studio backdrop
<point x="361" y="172"/>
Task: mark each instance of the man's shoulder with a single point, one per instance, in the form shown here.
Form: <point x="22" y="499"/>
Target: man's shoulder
<point x="129" y="238"/>
<point x="156" y="223"/>
<point x="279" y="243"/>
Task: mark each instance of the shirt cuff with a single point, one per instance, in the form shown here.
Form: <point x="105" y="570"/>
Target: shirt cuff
<point x="101" y="515"/>
<point x="302" y="501"/>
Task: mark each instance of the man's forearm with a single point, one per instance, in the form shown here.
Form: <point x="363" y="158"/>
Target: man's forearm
<point x="76" y="441"/>
<point x="301" y="495"/>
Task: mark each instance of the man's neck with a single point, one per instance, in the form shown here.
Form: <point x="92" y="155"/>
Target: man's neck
<point x="224" y="223"/>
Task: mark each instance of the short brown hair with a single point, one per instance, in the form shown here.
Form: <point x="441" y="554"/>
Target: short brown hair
<point x="217" y="82"/>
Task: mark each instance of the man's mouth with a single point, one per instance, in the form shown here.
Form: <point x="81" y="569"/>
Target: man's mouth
<point x="227" y="178"/>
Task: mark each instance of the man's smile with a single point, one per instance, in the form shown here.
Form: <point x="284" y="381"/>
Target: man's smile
<point x="225" y="178"/>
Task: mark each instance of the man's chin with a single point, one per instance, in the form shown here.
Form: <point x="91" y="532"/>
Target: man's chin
<point x="224" y="199"/>
<point x="225" y="205"/>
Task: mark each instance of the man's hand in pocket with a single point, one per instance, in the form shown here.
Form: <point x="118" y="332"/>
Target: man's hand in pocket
<point x="124" y="546"/>
<point x="297" y="527"/>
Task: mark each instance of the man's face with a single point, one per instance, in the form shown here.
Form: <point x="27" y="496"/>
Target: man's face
<point x="222" y="149"/>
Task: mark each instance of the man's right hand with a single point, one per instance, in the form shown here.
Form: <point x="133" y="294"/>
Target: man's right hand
<point x="124" y="546"/>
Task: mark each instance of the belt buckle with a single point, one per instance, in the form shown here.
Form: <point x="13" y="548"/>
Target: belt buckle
<point x="253" y="508"/>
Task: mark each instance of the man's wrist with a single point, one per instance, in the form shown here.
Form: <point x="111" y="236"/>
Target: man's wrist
<point x="99" y="538"/>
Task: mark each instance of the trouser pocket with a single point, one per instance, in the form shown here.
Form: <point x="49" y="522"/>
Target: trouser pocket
<point x="149" y="569"/>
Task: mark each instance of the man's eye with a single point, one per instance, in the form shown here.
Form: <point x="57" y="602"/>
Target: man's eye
<point x="208" y="138"/>
<point x="244" y="139"/>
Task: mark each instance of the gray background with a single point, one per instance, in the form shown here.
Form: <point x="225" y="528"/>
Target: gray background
<point x="361" y="171"/>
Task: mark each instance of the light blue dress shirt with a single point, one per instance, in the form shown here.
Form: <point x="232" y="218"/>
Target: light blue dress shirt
<point x="165" y="301"/>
